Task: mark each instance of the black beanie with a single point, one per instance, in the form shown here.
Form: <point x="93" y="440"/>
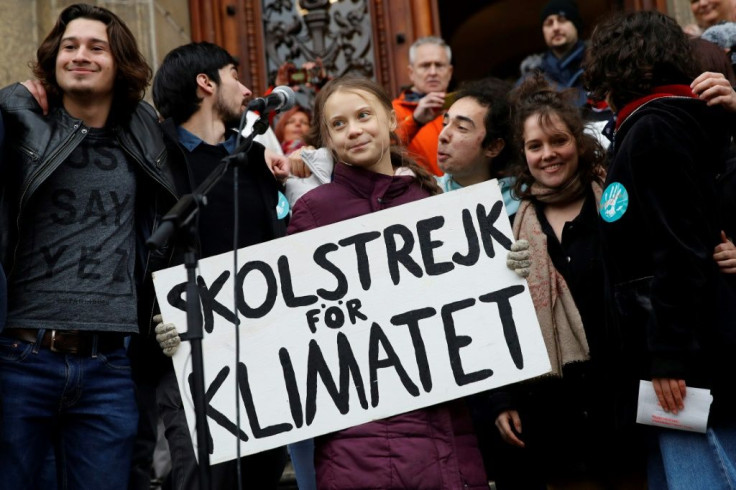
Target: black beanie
<point x="566" y="8"/>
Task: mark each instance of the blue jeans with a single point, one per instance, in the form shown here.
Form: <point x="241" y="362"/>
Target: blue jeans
<point x="83" y="407"/>
<point x="302" y="458"/>
<point x="689" y="460"/>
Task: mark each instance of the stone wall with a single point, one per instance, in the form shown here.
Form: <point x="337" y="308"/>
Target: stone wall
<point x="19" y="31"/>
<point x="158" y="25"/>
<point x="680" y="10"/>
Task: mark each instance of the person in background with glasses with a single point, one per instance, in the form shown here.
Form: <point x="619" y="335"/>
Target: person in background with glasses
<point x="419" y="108"/>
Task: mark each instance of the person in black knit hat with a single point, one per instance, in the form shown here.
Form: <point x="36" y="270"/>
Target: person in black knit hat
<point x="561" y="63"/>
<point x="563" y="8"/>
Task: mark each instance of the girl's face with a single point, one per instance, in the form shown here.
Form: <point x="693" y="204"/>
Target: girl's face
<point x="551" y="151"/>
<point x="296" y="126"/>
<point x="359" y="128"/>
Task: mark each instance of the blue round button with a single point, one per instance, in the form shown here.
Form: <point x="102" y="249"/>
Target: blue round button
<point x="614" y="202"/>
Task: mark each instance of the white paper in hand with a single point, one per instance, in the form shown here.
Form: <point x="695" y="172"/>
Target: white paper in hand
<point x="694" y="417"/>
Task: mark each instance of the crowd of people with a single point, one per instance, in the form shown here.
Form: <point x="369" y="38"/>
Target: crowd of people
<point x="624" y="237"/>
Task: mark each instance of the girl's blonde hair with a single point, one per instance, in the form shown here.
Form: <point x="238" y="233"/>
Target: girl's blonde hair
<point x="319" y="130"/>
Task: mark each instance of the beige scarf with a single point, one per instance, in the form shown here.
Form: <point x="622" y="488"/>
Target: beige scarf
<point x="559" y="319"/>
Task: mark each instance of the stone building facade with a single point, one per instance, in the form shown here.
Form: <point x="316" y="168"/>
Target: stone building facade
<point x="245" y="27"/>
<point x="158" y="25"/>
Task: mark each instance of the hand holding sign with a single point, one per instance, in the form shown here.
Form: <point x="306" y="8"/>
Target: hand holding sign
<point x="166" y="336"/>
<point x="360" y="320"/>
<point x="519" y="258"/>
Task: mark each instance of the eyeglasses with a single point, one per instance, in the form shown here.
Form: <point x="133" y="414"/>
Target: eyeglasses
<point x="438" y="66"/>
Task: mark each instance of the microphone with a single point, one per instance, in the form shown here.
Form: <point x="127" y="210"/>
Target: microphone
<point x="281" y="99"/>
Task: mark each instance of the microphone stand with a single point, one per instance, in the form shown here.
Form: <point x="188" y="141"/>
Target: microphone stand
<point x="182" y="222"/>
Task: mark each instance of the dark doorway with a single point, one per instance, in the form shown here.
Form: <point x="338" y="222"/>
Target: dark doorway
<point x="492" y="37"/>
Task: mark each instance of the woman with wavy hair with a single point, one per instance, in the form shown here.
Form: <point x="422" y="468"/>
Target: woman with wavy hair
<point x="660" y="224"/>
<point x="558" y="421"/>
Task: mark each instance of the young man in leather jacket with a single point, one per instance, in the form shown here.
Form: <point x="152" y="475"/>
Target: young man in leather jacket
<point x="83" y="188"/>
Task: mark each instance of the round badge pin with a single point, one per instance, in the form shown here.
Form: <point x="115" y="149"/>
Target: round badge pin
<point x="614" y="202"/>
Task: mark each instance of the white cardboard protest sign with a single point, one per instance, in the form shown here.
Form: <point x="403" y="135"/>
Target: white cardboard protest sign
<point x="360" y="320"/>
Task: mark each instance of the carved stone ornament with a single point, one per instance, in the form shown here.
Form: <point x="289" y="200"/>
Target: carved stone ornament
<point x="338" y="32"/>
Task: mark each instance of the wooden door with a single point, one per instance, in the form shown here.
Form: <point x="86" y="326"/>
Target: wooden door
<point x="371" y="37"/>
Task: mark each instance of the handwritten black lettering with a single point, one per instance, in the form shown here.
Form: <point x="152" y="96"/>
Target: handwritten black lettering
<point x="210" y="305"/>
<point x="334" y="317"/>
<point x="320" y="258"/>
<point x="250" y="409"/>
<point x="471" y="258"/>
<point x="353" y="306"/>
<point x="292" y="390"/>
<point x="379" y="339"/>
<point x="411" y="320"/>
<point x="218" y="417"/>
<point x="510" y="334"/>
<point x="427" y="246"/>
<point x="271" y="289"/>
<point x="287" y="288"/>
<point x="396" y="256"/>
<point x="348" y="367"/>
<point x="488" y="230"/>
<point x="361" y="254"/>
<point x="456" y="342"/>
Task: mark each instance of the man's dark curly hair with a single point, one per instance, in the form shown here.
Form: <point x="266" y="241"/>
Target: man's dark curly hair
<point x="536" y="98"/>
<point x="629" y="54"/>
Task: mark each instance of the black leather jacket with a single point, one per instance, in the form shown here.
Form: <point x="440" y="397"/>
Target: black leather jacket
<point x="35" y="147"/>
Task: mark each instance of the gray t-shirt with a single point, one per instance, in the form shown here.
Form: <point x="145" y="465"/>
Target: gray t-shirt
<point x="76" y="255"/>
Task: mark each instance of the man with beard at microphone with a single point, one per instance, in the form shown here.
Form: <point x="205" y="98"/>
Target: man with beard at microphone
<point x="197" y="91"/>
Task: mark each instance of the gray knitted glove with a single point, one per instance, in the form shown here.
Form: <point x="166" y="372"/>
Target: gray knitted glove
<point x="166" y="336"/>
<point x="519" y="258"/>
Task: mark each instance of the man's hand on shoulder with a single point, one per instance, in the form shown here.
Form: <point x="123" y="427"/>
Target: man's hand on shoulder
<point x="429" y="107"/>
<point x="715" y="89"/>
<point x="38" y="91"/>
